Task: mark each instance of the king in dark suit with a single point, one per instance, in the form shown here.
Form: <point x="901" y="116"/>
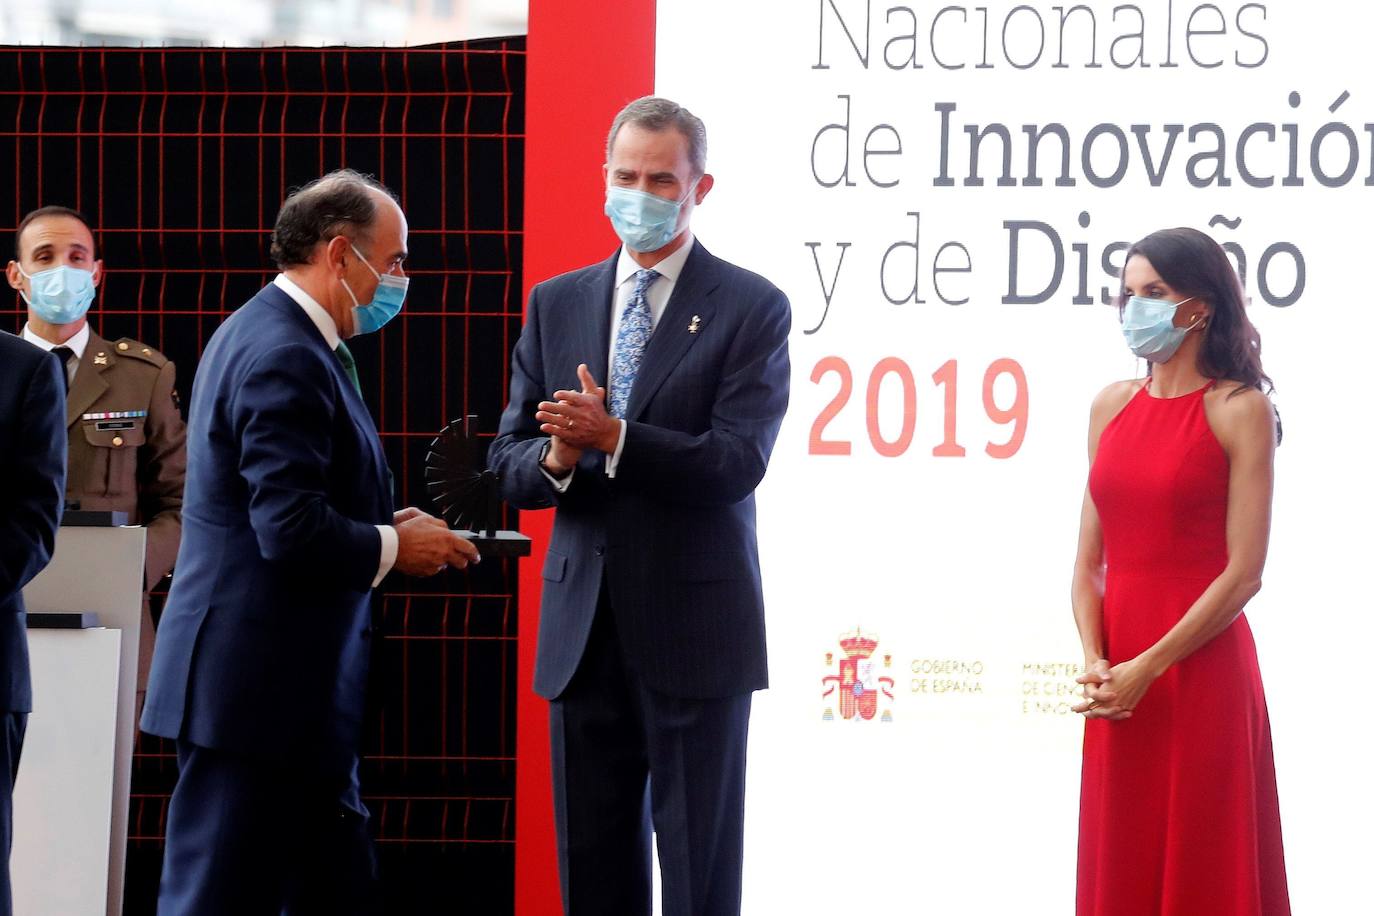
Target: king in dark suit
<point x="33" y="465"/>
<point x="262" y="654"/>
<point x="651" y="637"/>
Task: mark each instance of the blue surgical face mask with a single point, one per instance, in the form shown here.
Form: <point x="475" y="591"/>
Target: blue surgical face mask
<point x="644" y="222"/>
<point x="386" y="301"/>
<point x="60" y="295"/>
<point x="1148" y="325"/>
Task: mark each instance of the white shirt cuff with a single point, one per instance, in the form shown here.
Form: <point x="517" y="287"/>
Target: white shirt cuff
<point x="613" y="459"/>
<point x="390" y="544"/>
<point x="559" y="485"/>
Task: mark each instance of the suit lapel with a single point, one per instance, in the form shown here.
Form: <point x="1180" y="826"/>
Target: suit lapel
<point x="684" y="320"/>
<point x="89" y="383"/>
<point x="356" y="406"/>
<point x="593" y="326"/>
<point x="358" y="413"/>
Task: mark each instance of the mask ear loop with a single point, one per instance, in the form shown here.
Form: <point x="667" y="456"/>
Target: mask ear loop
<point x="23" y="295"/>
<point x="1199" y="320"/>
<point x="691" y="191"/>
<point x="348" y="288"/>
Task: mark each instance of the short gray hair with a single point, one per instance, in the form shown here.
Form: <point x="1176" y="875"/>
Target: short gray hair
<point x="340" y="203"/>
<point x="657" y="114"/>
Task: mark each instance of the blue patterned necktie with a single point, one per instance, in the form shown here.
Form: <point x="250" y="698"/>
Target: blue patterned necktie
<point x="636" y="326"/>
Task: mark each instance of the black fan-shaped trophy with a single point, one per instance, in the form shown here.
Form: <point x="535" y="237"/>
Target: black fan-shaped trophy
<point x="466" y="492"/>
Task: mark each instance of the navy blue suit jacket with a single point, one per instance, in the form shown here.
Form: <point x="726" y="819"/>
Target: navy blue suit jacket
<point x="33" y="466"/>
<point x="263" y="645"/>
<point x="673" y="533"/>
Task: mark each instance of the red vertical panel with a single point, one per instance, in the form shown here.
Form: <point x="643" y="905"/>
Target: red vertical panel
<point x="587" y="58"/>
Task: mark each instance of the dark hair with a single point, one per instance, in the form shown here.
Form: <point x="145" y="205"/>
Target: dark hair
<point x="340" y="203"/>
<point x="41" y="212"/>
<point x="1193" y="264"/>
<point x="657" y="115"/>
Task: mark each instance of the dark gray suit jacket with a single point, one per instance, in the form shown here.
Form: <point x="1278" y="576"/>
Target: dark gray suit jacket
<point x="673" y="533"/>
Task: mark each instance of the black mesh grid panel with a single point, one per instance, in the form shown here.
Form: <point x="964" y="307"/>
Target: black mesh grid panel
<point x="180" y="158"/>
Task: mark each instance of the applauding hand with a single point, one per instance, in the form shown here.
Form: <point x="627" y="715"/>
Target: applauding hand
<point x="579" y="418"/>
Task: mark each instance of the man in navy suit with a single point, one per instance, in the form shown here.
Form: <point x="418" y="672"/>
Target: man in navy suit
<point x="651" y="636"/>
<point x="33" y="465"/>
<point x="262" y="654"/>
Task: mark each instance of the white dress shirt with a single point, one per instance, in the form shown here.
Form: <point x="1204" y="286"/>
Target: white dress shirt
<point x="76" y="343"/>
<point x="330" y="332"/>
<point x="669" y="269"/>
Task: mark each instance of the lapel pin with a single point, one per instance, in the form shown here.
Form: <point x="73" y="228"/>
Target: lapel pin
<point x="695" y="325"/>
<point x="101" y="359"/>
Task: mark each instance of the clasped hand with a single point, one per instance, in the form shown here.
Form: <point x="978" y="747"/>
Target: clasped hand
<point x="577" y="420"/>
<point x="1113" y="691"/>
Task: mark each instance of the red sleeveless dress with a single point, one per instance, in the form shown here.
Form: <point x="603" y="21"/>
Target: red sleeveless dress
<point x="1179" y="813"/>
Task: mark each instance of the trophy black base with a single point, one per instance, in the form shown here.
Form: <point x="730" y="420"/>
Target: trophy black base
<point x="83" y="620"/>
<point x="94" y="518"/>
<point x="498" y="543"/>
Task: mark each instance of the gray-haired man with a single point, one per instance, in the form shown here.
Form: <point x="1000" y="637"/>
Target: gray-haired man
<point x="651" y="637"/>
<point x="287" y="526"/>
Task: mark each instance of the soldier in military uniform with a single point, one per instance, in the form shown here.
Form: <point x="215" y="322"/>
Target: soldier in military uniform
<point x="126" y="437"/>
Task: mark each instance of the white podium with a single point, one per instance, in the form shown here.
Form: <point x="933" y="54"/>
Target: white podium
<point x="71" y="801"/>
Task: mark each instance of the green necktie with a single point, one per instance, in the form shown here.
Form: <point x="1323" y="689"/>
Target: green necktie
<point x="350" y="368"/>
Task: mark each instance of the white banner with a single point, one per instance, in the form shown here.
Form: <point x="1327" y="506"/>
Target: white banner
<point x="945" y="194"/>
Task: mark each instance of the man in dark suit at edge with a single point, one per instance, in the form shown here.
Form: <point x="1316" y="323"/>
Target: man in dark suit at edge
<point x="261" y="659"/>
<point x="651" y="636"/>
<point x="33" y="465"/>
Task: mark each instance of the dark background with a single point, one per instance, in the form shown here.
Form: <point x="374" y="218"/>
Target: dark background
<point x="180" y="158"/>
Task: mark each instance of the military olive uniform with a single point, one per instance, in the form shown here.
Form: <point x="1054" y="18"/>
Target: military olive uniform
<point x="127" y="451"/>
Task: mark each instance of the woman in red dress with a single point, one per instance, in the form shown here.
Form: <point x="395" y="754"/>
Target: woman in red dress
<point x="1179" y="813"/>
